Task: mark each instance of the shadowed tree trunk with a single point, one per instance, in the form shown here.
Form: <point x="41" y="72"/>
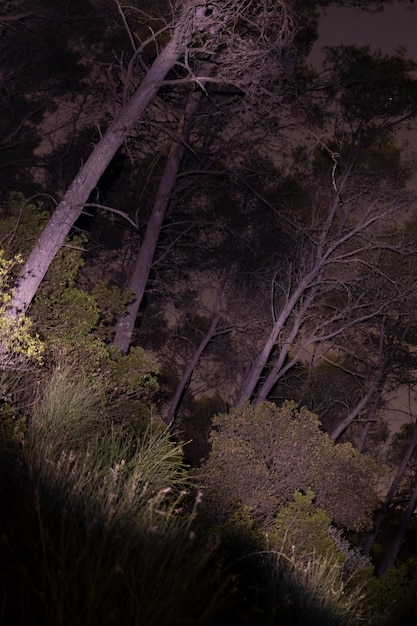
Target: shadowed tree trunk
<point x="176" y="400"/>
<point x="357" y="410"/>
<point x="395" y="547"/>
<point x="379" y="519"/>
<point x="301" y="297"/>
<point x="386" y="359"/>
<point x="140" y="274"/>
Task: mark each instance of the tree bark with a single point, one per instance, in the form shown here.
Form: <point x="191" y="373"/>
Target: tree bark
<point x="72" y="204"/>
<point x="395" y="547"/>
<point x="379" y="519"/>
<point x="363" y="402"/>
<point x="204" y="31"/>
<point x="252" y="379"/>
<point x="139" y="278"/>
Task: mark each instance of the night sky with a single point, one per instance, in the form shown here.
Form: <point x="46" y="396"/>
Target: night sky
<point x="388" y="30"/>
<point x="393" y="27"/>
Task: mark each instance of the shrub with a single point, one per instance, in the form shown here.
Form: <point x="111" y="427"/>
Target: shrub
<point x="261" y="456"/>
<point x="300" y="531"/>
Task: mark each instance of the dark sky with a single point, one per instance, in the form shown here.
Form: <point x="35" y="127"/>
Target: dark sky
<point x="393" y="27"/>
<point x="389" y="29"/>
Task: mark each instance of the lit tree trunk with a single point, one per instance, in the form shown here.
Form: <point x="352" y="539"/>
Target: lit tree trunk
<point x="357" y="410"/>
<point x="376" y="388"/>
<point x="199" y="31"/>
<point x="379" y="519"/>
<point x="395" y="547"/>
<point x="365" y="431"/>
<point x="280" y="367"/>
<point x="139" y="278"/>
<point x="370" y="418"/>
<point x="71" y="206"/>
<point x="251" y="381"/>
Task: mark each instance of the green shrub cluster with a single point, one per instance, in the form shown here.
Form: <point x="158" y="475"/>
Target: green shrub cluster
<point x="261" y="455"/>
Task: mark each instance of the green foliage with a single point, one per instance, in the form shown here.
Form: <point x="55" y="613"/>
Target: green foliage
<point x="21" y="222"/>
<point x="111" y="302"/>
<point x="241" y="533"/>
<point x="300" y="531"/>
<point x="313" y="592"/>
<point x="392" y="598"/>
<point x="68" y="427"/>
<point x="66" y="320"/>
<point x="132" y="372"/>
<point x="127" y="383"/>
<point x="261" y="455"/>
<point x="19" y="347"/>
<point x="131" y="383"/>
<point x="65" y="266"/>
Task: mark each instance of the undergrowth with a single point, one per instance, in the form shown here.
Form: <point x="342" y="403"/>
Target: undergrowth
<point x="101" y="525"/>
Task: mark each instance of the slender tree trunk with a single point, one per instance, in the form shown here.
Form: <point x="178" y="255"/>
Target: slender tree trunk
<point x="144" y="260"/>
<point x="395" y="547"/>
<point x="379" y="381"/>
<point x="71" y="206"/>
<point x="251" y="381"/>
<point x="340" y="428"/>
<point x="379" y="519"/>
<point x="364" y="434"/>
<point x="175" y="402"/>
<point x="280" y="367"/>
<point x="370" y="418"/>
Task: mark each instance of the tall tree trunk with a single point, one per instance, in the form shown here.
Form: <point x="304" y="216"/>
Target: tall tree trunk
<point x="71" y="205"/>
<point x="395" y="547"/>
<point x="139" y="278"/>
<point x="370" y="418"/>
<point x="280" y="366"/>
<point x="379" y="519"/>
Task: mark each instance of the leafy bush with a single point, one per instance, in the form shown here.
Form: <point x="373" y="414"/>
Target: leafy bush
<point x="392" y="598"/>
<point x="300" y="531"/>
<point x="261" y="456"/>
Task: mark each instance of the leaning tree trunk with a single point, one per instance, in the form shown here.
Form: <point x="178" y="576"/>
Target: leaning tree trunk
<point x="139" y="278"/>
<point x="253" y="377"/>
<point x="213" y="29"/>
<point x="188" y="372"/>
<point x="395" y="547"/>
<point x="379" y="519"/>
<point x="357" y="410"/>
<point x="71" y="205"/>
